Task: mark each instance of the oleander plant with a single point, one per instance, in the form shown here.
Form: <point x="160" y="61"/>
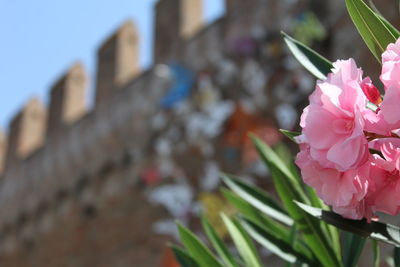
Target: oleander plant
<point x="346" y="173"/>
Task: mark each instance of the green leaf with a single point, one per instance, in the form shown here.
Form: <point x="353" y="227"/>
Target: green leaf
<point x="374" y="32"/>
<point x="315" y="201"/>
<point x="277" y="246"/>
<point x="316" y="64"/>
<point x="314" y="236"/>
<point x="271" y="158"/>
<point x="335" y="239"/>
<point x="291" y="135"/>
<point x="396" y="256"/>
<point x="272" y="227"/>
<point x="197" y="250"/>
<point x="388" y="25"/>
<point x="376" y="230"/>
<point x="257" y="198"/>
<point x="184" y="259"/>
<point x="376" y="252"/>
<point x="218" y="244"/>
<point x="292" y="241"/>
<point x="327" y="228"/>
<point x="284" y="153"/>
<point x="242" y="242"/>
<point x="289" y="189"/>
<point x="254" y="215"/>
<point x="352" y="248"/>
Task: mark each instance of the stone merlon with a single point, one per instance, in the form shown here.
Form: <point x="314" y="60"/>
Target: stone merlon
<point x="26" y="131"/>
<point x="3" y="149"/>
<point x="67" y="99"/>
<point x="176" y="20"/>
<point x="118" y="61"/>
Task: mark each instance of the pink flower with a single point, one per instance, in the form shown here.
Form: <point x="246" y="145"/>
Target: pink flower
<point x="391" y="65"/>
<point x="390" y="107"/>
<point x="333" y="123"/>
<point x="338" y="132"/>
<point x="344" y="191"/>
<point x="390" y="77"/>
<point x="386" y="174"/>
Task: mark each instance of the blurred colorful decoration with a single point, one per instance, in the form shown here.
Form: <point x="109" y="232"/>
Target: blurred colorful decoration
<point x="165" y="227"/>
<point x="286" y="116"/>
<point x="237" y="127"/>
<point x="208" y="124"/>
<point x="168" y="258"/>
<point x="182" y="83"/>
<point x="226" y="71"/>
<point x="267" y="133"/>
<point x="272" y="47"/>
<point x="176" y="198"/>
<point x="211" y="177"/>
<point x="207" y="95"/>
<point x="150" y="176"/>
<point x="213" y="204"/>
<point x="245" y="46"/>
<point x="308" y="29"/>
<point x="240" y="125"/>
<point x="254" y="81"/>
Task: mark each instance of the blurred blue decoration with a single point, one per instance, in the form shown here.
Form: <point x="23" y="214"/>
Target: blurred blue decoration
<point x="231" y="154"/>
<point x="182" y="83"/>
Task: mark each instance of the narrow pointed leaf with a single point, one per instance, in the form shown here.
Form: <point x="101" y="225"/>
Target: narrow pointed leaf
<point x="396" y="256"/>
<point x="289" y="189"/>
<point x="196" y="249"/>
<point x="291" y="135"/>
<point x="380" y="231"/>
<point x="184" y="259"/>
<point x="279" y="247"/>
<point x="271" y="158"/>
<point x="292" y="241"/>
<point x="257" y="198"/>
<point x="253" y="214"/>
<point x="330" y="229"/>
<point x="352" y="248"/>
<point x="242" y="242"/>
<point x="316" y="64"/>
<point x="285" y="154"/>
<point x="376" y="253"/>
<point x="218" y="244"/>
<point x="388" y="25"/>
<point x="275" y="229"/>
<point x="314" y="235"/>
<point x="374" y="32"/>
<point x="335" y="239"/>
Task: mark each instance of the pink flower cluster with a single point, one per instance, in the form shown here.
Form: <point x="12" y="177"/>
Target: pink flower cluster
<point x="349" y="146"/>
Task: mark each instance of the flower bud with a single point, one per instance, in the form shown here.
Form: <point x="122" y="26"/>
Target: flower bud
<point x="371" y="92"/>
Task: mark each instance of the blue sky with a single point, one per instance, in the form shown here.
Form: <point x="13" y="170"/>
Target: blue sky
<point x="40" y="39"/>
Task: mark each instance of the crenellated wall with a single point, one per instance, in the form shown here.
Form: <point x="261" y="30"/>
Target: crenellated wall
<point x="26" y="133"/>
<point x="186" y="16"/>
<point x="67" y="100"/>
<point x="71" y="187"/>
<point x="117" y="61"/>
